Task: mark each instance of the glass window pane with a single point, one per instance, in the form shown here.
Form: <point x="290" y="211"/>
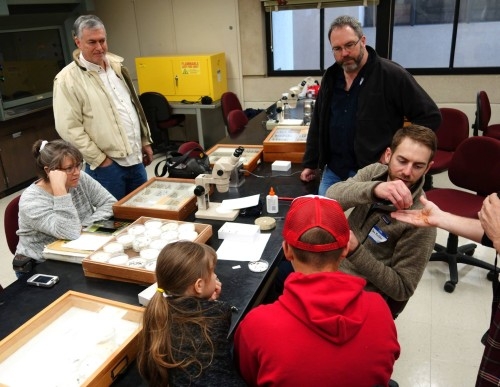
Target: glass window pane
<point x="367" y="17"/>
<point x="422" y="36"/>
<point x="410" y="47"/>
<point x="296" y="36"/>
<point x="433" y="11"/>
<point x="295" y="39"/>
<point x="477" y="45"/>
<point x="419" y="23"/>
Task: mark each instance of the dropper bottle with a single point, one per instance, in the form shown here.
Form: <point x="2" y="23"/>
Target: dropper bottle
<point x="272" y="202"/>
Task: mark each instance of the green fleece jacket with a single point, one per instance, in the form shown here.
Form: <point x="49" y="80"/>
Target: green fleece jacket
<point x="394" y="264"/>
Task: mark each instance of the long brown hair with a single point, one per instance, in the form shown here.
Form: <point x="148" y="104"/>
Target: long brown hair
<point x="178" y="267"/>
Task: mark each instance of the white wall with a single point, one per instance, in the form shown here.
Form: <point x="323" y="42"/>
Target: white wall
<point x="167" y="27"/>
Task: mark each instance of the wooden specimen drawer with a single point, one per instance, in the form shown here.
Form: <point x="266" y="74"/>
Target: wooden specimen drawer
<point x="129" y="265"/>
<point x="78" y="340"/>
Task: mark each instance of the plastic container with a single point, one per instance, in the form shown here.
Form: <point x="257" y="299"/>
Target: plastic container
<point x="272" y="202"/>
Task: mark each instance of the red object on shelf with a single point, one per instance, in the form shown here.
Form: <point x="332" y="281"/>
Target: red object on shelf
<point x="314" y="90"/>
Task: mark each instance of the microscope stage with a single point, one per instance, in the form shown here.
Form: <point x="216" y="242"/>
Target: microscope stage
<point x="215" y="212"/>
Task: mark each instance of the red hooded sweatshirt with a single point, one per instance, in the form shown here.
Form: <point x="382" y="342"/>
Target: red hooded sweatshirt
<point x="325" y="330"/>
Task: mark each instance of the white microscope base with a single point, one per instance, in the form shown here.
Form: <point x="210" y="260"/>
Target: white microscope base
<point x="212" y="213"/>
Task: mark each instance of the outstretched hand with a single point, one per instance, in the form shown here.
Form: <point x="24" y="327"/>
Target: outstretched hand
<point x="489" y="216"/>
<point x="424" y="217"/>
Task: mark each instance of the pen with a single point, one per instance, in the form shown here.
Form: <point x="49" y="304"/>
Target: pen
<point x="285" y="198"/>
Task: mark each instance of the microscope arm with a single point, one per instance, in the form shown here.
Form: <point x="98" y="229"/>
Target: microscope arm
<point x="220" y="176"/>
<point x="202" y="189"/>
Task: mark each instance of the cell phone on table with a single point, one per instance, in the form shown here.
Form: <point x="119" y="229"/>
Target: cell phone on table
<point x="43" y="280"/>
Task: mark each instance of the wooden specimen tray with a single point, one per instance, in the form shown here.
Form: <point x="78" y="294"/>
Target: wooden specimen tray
<point x="251" y="156"/>
<point x="286" y="143"/>
<point x="125" y="273"/>
<point x="160" y="197"/>
<point x="78" y="340"/>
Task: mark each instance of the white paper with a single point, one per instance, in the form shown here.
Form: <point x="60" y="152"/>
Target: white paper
<point x="238" y="204"/>
<point x="90" y="242"/>
<point x="291" y="122"/>
<point x="237" y="250"/>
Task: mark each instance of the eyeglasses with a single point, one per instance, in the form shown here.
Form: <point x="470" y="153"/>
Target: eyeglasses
<point x="72" y="169"/>
<point x="348" y="47"/>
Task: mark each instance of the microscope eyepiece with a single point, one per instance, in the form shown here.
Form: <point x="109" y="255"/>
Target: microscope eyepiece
<point x="238" y="151"/>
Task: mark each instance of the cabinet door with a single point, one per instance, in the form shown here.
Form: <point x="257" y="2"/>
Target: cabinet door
<point x="17" y="160"/>
<point x="191" y="76"/>
<point x="46" y="129"/>
<point x="155" y="74"/>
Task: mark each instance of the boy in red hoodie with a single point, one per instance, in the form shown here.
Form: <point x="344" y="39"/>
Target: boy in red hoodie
<point x="325" y="329"/>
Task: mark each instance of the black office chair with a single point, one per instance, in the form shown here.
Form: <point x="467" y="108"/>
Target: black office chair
<point x="160" y="119"/>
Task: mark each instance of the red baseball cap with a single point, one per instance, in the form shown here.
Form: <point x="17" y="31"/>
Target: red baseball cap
<point x="307" y="212"/>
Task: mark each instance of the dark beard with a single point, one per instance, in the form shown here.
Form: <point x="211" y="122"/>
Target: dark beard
<point x="356" y="65"/>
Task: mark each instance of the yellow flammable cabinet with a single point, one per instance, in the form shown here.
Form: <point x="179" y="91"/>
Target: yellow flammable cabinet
<point x="186" y="77"/>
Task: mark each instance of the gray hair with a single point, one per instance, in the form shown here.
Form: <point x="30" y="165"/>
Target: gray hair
<point x="346" y="21"/>
<point x="90" y="22"/>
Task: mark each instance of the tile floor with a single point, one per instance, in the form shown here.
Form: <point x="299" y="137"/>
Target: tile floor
<point x="439" y="332"/>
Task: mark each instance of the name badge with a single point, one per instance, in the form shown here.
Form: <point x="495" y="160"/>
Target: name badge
<point x="377" y="235"/>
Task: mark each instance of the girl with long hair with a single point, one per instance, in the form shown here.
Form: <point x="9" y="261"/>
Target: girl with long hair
<point x="184" y="338"/>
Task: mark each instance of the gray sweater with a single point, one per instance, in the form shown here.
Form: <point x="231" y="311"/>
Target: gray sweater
<point x="44" y="218"/>
<point x="392" y="267"/>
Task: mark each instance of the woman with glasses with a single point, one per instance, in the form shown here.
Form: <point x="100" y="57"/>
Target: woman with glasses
<point x="61" y="202"/>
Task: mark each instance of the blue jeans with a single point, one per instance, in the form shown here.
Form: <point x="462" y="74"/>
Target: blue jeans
<point x="118" y="180"/>
<point x="329" y="178"/>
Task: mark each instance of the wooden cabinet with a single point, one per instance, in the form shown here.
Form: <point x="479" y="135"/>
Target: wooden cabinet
<point x="17" y="164"/>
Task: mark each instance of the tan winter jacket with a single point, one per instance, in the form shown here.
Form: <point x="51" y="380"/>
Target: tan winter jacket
<point x="86" y="116"/>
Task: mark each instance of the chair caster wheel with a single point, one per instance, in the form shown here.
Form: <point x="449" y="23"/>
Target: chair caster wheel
<point x="449" y="287"/>
<point x="470" y="253"/>
<point x="491" y="275"/>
